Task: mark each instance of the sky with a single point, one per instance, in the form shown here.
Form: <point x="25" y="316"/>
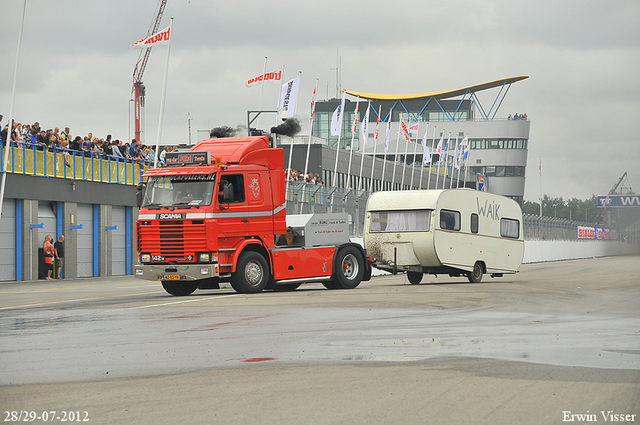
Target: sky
<point x="582" y="58"/>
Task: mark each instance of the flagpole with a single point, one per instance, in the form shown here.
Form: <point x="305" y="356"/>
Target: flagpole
<point x="364" y="126"/>
<point x="540" y="170"/>
<point x="335" y="168"/>
<point x="407" y="136"/>
<point x="466" y="166"/>
<point x="278" y="106"/>
<point x="446" y="157"/>
<point x="386" y="147"/>
<point x="431" y="158"/>
<point x="375" y="147"/>
<point x="295" y="111"/>
<point x="413" y="167"/>
<point x="353" y="136"/>
<point x="439" y="159"/>
<point x="264" y="71"/>
<point x="395" y="158"/>
<point x="306" y="164"/>
<point x="164" y="93"/>
<point x="7" y="145"/>
<point x="453" y="164"/>
<point x="423" y="155"/>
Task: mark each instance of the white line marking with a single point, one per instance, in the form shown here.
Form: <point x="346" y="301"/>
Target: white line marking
<point x="182" y="302"/>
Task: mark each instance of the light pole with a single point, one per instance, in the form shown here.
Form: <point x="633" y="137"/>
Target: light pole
<point x="189" y="118"/>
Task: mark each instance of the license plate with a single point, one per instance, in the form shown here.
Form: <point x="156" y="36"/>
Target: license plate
<point x="171" y="277"/>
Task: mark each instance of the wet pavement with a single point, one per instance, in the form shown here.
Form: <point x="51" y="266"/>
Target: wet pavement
<point x="564" y="316"/>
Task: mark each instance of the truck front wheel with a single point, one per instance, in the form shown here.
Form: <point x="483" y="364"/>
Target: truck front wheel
<point x="252" y="273"/>
<point x="349" y="268"/>
<point x="179" y="288"/>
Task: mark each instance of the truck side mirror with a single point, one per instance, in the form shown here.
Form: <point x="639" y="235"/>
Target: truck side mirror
<point x="140" y="194"/>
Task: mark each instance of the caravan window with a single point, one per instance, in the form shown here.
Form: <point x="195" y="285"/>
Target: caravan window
<point x="449" y="220"/>
<point x="400" y="221"/>
<point x="474" y="223"/>
<point x="509" y="228"/>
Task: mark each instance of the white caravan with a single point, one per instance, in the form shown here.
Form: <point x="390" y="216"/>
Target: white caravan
<point x="459" y="232"/>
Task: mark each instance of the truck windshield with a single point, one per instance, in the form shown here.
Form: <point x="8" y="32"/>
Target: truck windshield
<point x="179" y="191"/>
<point x="400" y="221"/>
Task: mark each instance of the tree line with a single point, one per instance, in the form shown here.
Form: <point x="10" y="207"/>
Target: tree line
<point x="570" y="209"/>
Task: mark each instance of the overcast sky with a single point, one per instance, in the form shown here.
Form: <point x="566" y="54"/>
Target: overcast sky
<point x="582" y="57"/>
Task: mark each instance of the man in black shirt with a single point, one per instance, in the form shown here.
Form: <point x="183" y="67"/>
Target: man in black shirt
<point x="59" y="255"/>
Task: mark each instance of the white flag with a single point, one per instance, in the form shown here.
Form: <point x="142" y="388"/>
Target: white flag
<point x="386" y="139"/>
<point x="336" y="119"/>
<point x="426" y="155"/>
<point x="365" y="127"/>
<point x="439" y="147"/>
<point x="288" y="97"/>
<point x="443" y="158"/>
<point x="414" y="128"/>
<point x="456" y="164"/>
<point x="161" y="37"/>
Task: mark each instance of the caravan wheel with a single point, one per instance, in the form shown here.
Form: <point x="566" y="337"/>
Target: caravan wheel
<point x="476" y="275"/>
<point x="414" y="277"/>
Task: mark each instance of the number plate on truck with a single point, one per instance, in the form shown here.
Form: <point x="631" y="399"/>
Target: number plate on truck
<point x="170" y="277"/>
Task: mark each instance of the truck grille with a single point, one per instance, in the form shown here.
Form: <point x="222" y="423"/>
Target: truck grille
<point x="173" y="239"/>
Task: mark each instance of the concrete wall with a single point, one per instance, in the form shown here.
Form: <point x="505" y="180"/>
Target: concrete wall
<point x="539" y="251"/>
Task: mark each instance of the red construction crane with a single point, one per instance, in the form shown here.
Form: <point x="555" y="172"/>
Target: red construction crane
<point x="138" y="90"/>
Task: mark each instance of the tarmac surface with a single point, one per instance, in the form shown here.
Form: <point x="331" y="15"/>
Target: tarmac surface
<point x="555" y="343"/>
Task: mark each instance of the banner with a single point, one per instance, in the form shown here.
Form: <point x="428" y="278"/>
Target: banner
<point x="288" y="97"/>
<point x="271" y="77"/>
<point x="596" y="233"/>
<point x="414" y="128"/>
<point x="618" y="201"/>
<point x="161" y="37"/>
<point x="336" y="119"/>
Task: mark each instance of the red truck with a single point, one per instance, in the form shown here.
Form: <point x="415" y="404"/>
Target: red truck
<point x="217" y="213"/>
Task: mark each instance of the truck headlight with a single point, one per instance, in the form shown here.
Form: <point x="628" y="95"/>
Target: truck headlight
<point x="145" y="258"/>
<point x="204" y="257"/>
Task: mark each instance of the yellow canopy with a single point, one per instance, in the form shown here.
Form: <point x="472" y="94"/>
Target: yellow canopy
<point x="440" y="94"/>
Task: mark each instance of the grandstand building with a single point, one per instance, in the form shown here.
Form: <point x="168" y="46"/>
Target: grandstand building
<point x="498" y="143"/>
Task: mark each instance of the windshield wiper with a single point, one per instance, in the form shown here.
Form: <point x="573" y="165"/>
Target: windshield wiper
<point x="182" y="204"/>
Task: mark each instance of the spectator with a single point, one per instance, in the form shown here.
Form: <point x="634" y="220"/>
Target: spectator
<point x="58" y="248"/>
<point x="48" y="255"/>
<point x="133" y="149"/>
<point x="115" y="148"/>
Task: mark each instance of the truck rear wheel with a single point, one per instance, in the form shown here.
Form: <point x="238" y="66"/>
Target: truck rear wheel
<point x="252" y="273"/>
<point x="476" y="275"/>
<point x="349" y="268"/>
<point x="414" y="277"/>
<point x="179" y="288"/>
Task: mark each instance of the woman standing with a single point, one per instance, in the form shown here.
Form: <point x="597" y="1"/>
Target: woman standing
<point x="48" y="256"/>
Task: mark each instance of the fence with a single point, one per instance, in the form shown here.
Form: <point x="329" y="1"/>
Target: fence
<point x="104" y="169"/>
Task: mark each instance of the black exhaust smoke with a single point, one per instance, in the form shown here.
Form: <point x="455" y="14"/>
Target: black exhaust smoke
<point x="289" y="128"/>
<point x="226" y="131"/>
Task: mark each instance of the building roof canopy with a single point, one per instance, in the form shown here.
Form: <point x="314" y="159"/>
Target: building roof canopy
<point x="441" y="94"/>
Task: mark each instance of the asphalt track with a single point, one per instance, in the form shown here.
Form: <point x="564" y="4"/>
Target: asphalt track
<point x="558" y="341"/>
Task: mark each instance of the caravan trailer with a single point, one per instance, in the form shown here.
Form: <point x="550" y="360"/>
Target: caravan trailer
<point x="458" y="232"/>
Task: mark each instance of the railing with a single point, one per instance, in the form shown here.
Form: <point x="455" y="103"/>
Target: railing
<point x="46" y="163"/>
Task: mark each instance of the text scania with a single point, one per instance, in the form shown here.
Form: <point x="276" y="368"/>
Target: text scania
<point x="489" y="210"/>
<point x="607" y="416"/>
<point x="169" y="216"/>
